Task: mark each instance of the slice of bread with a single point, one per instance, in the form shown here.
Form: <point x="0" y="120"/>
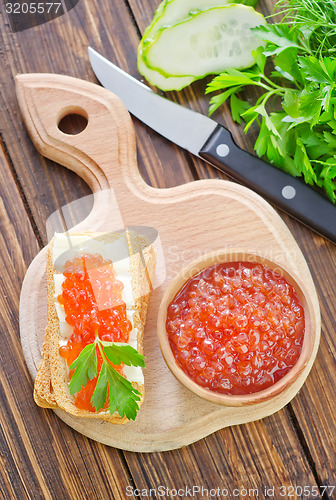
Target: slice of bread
<point x="51" y="389"/>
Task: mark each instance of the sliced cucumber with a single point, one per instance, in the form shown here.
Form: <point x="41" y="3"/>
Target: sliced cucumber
<point x="163" y="82"/>
<point x="168" y="13"/>
<point x="209" y="42"/>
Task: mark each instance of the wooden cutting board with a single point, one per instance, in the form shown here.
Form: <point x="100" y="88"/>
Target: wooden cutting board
<point x="191" y="220"/>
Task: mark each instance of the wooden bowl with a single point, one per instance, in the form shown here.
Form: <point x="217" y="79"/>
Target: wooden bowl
<point x="236" y="255"/>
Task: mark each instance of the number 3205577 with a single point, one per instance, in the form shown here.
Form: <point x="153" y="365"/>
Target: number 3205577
<point x="33" y="8"/>
<point x="305" y="491"/>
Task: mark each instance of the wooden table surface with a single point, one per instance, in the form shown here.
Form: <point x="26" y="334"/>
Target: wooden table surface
<point x="40" y="456"/>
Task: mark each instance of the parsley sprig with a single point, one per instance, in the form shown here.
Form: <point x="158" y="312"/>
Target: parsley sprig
<point x="123" y="396"/>
<point x="296" y="111"/>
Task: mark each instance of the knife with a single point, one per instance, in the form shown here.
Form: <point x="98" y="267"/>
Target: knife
<point x="212" y="142"/>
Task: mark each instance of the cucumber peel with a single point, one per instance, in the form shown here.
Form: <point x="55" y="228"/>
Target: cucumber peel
<point x="162" y="82"/>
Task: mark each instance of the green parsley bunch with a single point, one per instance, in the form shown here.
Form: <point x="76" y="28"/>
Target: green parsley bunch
<point x="296" y="111"/>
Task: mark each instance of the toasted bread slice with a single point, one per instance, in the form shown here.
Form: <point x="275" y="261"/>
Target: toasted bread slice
<point x="51" y="389"/>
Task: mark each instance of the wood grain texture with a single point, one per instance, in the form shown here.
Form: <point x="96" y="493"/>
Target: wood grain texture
<point x="234" y="458"/>
<point x="308" y="454"/>
<point x="317" y="437"/>
<point x="172" y="417"/>
<point x="104" y="24"/>
<point x="40" y="458"/>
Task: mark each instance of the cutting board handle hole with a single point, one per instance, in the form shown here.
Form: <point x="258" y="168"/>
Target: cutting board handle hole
<point x="73" y="121"/>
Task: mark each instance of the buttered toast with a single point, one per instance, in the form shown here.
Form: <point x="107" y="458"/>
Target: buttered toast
<point x="97" y="283"/>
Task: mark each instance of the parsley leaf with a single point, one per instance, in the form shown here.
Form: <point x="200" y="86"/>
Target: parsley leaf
<point x="99" y="395"/>
<point x="218" y="100"/>
<point x="278" y="36"/>
<point x="260" y="58"/>
<point x="238" y="107"/>
<point x="302" y="158"/>
<point x="328" y="174"/>
<point x="119" y="353"/>
<point x="123" y="396"/>
<point x="316" y="70"/>
<point x="85" y="367"/>
<point x="291" y="103"/>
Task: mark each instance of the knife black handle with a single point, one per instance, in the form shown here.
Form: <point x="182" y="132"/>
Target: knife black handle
<point x="286" y="192"/>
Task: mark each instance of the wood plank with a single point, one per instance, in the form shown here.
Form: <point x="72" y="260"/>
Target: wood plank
<point x="40" y="456"/>
<point x="265" y="453"/>
<point x="161" y="163"/>
<point x="317" y="427"/>
<point x="315" y="409"/>
<point x="44" y="41"/>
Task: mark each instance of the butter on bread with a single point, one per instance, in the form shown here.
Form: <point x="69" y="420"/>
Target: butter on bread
<point x="51" y="389"/>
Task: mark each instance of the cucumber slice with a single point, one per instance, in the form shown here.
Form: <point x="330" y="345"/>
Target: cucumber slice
<point x="162" y="82"/>
<point x="209" y="42"/>
<point x="168" y="13"/>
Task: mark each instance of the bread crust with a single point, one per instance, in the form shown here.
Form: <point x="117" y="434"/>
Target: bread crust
<point x="51" y="388"/>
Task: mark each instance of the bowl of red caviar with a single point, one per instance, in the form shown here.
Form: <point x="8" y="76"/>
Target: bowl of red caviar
<point x="236" y="328"/>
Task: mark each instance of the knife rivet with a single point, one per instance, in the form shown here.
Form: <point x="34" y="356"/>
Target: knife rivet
<point x="288" y="192"/>
<point x="222" y="150"/>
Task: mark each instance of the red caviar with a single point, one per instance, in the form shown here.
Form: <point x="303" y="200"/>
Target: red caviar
<point x="92" y="301"/>
<point x="236" y="328"/>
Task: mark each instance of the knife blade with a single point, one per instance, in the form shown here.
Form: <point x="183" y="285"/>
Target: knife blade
<point x="212" y="142"/>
